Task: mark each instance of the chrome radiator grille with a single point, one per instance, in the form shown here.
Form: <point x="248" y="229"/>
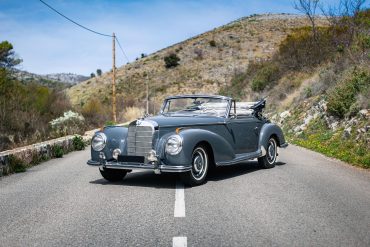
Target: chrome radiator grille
<point x="139" y="139"/>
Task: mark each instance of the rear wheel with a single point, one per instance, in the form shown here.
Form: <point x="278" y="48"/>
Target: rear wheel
<point x="268" y="161"/>
<point x="199" y="167"/>
<point x="113" y="175"/>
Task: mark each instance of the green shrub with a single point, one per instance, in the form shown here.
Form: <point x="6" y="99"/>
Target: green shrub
<point x="38" y="158"/>
<point x="78" y="143"/>
<point x="171" y="60"/>
<point x="267" y="74"/>
<point x="16" y="165"/>
<point x="342" y="99"/>
<point x="212" y="43"/>
<point x="110" y="123"/>
<point x="301" y="51"/>
<point x="57" y="151"/>
<point x="236" y="89"/>
<point x="70" y="123"/>
<point x="307" y="92"/>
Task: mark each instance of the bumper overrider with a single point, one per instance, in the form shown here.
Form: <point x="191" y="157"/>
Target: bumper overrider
<point x="154" y="165"/>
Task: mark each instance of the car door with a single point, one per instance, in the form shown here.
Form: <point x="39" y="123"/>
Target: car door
<point x="244" y="130"/>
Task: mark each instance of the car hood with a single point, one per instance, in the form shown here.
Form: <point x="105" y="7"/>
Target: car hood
<point x="172" y="121"/>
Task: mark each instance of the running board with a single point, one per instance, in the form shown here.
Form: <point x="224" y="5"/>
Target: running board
<point x="242" y="157"/>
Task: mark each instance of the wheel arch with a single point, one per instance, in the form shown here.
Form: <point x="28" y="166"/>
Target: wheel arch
<point x="276" y="139"/>
<point x="271" y="130"/>
<point x="209" y="150"/>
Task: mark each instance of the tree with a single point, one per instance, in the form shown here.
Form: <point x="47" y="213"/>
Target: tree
<point x="349" y="21"/>
<point x="308" y="8"/>
<point x="92" y="75"/>
<point x="143" y="55"/>
<point x="171" y="60"/>
<point x="8" y="58"/>
<point x="345" y="15"/>
<point x="98" y="72"/>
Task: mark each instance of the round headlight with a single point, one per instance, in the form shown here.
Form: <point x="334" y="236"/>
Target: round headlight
<point x="174" y="144"/>
<point x="115" y="153"/>
<point x="99" y="141"/>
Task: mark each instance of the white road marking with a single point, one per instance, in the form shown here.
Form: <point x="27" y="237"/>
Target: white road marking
<point x="179" y="200"/>
<point x="179" y="242"/>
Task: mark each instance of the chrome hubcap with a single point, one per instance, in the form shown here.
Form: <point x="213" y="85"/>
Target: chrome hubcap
<point x="199" y="163"/>
<point x="271" y="151"/>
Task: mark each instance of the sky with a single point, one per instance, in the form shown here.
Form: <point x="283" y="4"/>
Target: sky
<point x="48" y="43"/>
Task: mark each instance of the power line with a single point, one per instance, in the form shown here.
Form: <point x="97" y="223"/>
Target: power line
<point x="128" y="60"/>
<point x="86" y="28"/>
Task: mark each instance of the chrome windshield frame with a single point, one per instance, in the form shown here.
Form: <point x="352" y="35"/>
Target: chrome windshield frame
<point x="228" y="99"/>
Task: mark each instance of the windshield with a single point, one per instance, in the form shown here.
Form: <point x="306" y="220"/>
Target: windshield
<point x="196" y="106"/>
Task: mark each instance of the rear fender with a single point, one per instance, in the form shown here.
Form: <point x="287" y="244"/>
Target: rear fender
<point x="268" y="130"/>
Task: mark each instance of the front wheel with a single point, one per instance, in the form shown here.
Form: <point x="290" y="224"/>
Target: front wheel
<point x="199" y="167"/>
<point x="268" y="161"/>
<point x="113" y="175"/>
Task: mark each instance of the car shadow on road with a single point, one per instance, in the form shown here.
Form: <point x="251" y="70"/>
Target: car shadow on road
<point x="168" y="180"/>
<point x="225" y="172"/>
<point x="143" y="179"/>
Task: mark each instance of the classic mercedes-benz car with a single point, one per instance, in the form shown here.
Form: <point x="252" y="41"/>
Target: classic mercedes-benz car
<point x="191" y="134"/>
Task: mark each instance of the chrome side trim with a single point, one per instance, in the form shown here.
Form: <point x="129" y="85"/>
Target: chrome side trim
<point x="284" y="145"/>
<point x="240" y="158"/>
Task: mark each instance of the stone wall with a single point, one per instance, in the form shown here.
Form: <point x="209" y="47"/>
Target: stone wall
<point x="36" y="153"/>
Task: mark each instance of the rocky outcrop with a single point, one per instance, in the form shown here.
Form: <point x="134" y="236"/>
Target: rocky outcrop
<point x="357" y="126"/>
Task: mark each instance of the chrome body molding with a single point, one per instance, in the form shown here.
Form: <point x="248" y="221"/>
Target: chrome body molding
<point x="284" y="145"/>
<point x="241" y="158"/>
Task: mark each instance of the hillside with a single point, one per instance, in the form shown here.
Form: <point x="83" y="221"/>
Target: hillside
<point x="57" y="80"/>
<point x="208" y="62"/>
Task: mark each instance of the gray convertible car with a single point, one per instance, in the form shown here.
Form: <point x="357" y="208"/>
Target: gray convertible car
<point x="191" y="134"/>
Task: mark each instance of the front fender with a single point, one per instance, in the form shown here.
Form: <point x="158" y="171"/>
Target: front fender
<point x="268" y="130"/>
<point x="116" y="137"/>
<point x="222" y="150"/>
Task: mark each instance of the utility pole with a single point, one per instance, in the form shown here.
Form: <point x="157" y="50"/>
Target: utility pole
<point x="147" y="94"/>
<point x="114" y="80"/>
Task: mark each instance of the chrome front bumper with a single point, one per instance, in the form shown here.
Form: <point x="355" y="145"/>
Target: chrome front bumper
<point x="126" y="165"/>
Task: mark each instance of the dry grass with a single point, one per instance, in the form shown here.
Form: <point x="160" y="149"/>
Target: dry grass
<point x="131" y="113"/>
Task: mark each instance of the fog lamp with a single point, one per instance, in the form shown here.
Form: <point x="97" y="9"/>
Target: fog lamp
<point x="152" y="156"/>
<point x="115" y="153"/>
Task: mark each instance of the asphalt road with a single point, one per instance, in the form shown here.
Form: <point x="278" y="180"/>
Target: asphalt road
<point x="306" y="200"/>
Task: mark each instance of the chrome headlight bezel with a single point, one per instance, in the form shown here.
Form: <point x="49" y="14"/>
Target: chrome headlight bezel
<point x="174" y="144"/>
<point x="99" y="141"/>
